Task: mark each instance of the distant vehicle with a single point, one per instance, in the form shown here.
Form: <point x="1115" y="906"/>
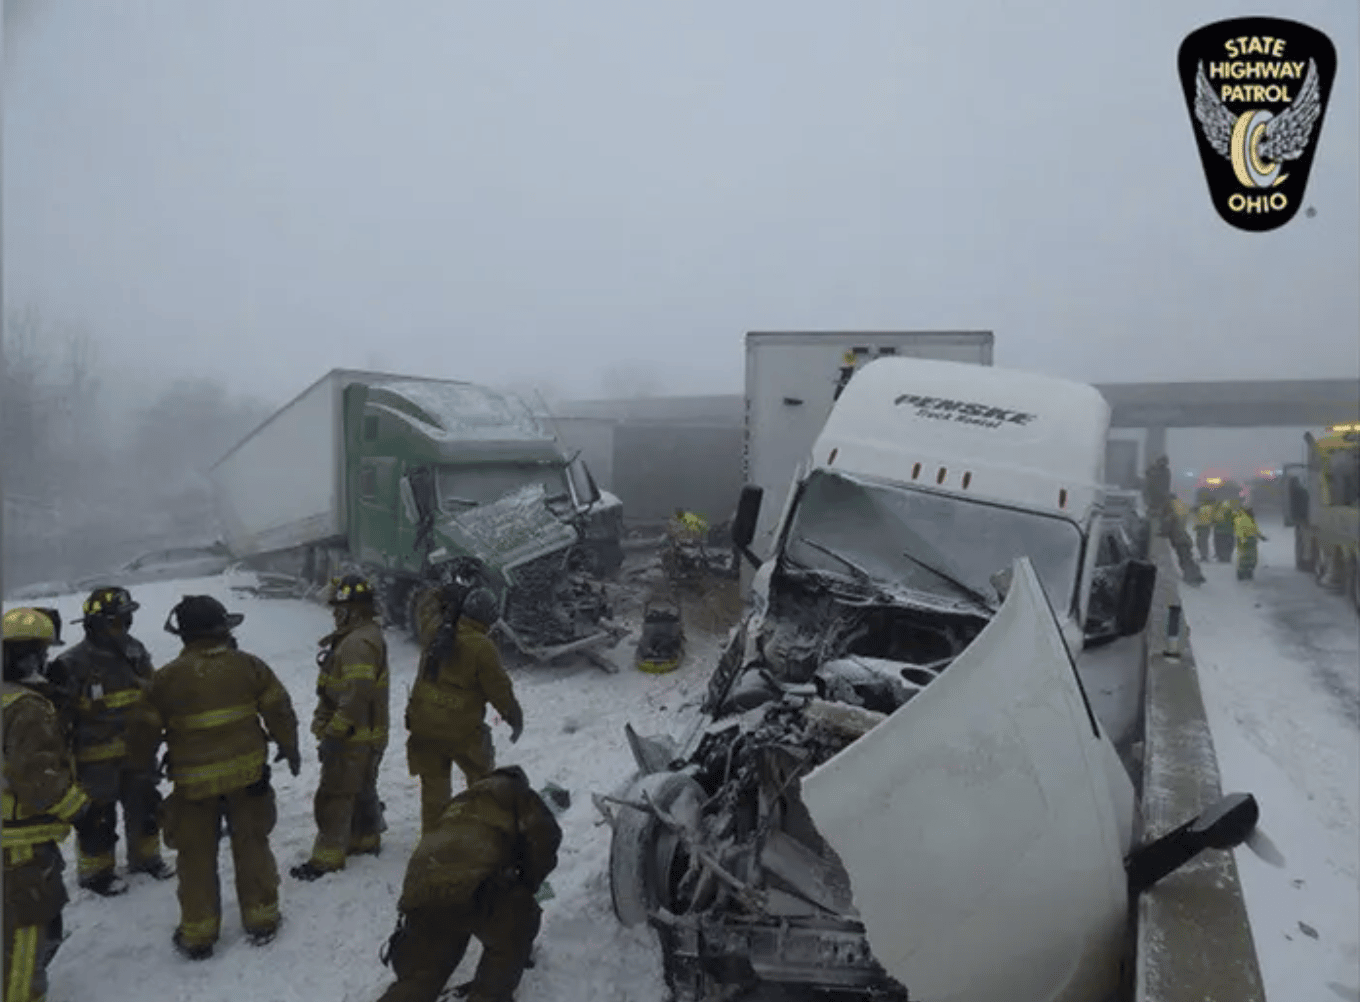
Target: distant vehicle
<point x="157" y="565"/>
<point x="1324" y="509"/>
<point x="165" y="565"/>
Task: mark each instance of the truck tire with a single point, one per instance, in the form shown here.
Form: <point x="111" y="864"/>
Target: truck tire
<point x="642" y="852"/>
<point x="394" y="597"/>
<point x="1321" y="572"/>
<point x="1302" y="558"/>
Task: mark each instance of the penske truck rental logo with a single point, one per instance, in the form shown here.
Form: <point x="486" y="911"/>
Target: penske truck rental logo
<point x="1256" y="89"/>
<point x="963" y="411"/>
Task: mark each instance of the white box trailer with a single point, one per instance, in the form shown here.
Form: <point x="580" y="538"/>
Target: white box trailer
<point x="792" y="381"/>
<point x="283" y="486"/>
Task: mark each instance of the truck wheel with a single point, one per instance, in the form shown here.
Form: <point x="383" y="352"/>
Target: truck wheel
<point x="395" y="595"/>
<point x="1302" y="559"/>
<point x="1319" y="562"/>
<point x="644" y="855"/>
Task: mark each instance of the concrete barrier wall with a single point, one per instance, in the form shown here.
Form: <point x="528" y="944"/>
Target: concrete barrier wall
<point x="1193" y="937"/>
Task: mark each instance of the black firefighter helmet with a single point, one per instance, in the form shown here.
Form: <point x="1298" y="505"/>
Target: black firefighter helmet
<point x="201" y="615"/>
<point x="108" y="604"/>
<point x="350" y="588"/>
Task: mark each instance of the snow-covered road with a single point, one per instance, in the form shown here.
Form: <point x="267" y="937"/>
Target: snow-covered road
<point x="120" y="948"/>
<point x="1279" y="664"/>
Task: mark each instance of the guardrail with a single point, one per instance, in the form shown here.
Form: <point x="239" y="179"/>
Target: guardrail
<point x="1193" y="939"/>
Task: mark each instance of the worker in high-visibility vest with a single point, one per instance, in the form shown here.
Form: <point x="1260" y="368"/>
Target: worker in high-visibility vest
<point x="1224" y="516"/>
<point x="1204" y="527"/>
<point x="1247" y="533"/>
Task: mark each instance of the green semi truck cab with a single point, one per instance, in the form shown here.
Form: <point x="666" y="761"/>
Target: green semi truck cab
<point x="393" y="476"/>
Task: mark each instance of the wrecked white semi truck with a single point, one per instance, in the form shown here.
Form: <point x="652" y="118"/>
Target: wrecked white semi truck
<point x="896" y="786"/>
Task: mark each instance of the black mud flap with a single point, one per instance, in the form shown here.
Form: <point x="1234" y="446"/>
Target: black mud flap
<point x="1135" y="596"/>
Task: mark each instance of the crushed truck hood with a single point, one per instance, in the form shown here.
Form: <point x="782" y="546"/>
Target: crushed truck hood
<point x="978" y="825"/>
<point x="512" y="530"/>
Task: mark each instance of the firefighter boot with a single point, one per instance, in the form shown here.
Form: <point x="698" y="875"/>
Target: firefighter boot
<point x="191" y="952"/>
<point x="107" y="884"/>
<point x="309" y="871"/>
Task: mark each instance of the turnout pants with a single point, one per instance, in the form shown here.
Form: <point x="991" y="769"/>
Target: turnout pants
<point x="432" y="761"/>
<point x="192" y="828"/>
<point x="1246" y="559"/>
<point x="109" y="785"/>
<point x="1223" y="544"/>
<point x="430" y="946"/>
<point x="366" y="831"/>
<point x="34" y="897"/>
<point x="346" y="816"/>
<point x="1202" y="534"/>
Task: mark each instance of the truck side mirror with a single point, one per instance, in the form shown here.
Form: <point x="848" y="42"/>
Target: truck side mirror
<point x="744" y="524"/>
<point x="590" y="483"/>
<point x="1135" y="596"/>
<point x="1225" y="825"/>
<point x="748" y="511"/>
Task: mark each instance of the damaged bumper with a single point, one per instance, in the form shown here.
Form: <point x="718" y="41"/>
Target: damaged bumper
<point x="865" y="832"/>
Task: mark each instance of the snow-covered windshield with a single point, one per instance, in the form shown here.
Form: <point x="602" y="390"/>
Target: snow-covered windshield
<point x="463" y="486"/>
<point x="896" y="534"/>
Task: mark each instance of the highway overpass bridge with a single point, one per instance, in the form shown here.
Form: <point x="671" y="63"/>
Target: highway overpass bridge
<point x="1298" y="403"/>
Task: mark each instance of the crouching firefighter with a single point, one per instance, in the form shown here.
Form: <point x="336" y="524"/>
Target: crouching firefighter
<point x="41" y="800"/>
<point x="474" y="874"/>
<point x="212" y="699"/>
<point x="351" y="724"/>
<point x="460" y="672"/>
<point x="106" y="676"/>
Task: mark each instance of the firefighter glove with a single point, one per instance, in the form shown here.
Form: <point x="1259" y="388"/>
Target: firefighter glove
<point x="330" y="747"/>
<point x="292" y="756"/>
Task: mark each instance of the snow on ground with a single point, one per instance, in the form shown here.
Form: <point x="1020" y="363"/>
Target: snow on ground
<point x="1279" y="663"/>
<point x="328" y="946"/>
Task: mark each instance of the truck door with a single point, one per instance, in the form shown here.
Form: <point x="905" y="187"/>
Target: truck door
<point x="378" y="508"/>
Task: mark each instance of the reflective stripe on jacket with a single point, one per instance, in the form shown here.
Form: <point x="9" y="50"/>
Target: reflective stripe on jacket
<point x="352" y="687"/>
<point x="212" y="700"/>
<point x="40" y="794"/>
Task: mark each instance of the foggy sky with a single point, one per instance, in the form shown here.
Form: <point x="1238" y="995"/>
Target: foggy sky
<point x="539" y="192"/>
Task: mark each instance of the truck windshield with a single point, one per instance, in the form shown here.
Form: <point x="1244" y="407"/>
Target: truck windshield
<point x="895" y="534"/>
<point x="463" y="486"/>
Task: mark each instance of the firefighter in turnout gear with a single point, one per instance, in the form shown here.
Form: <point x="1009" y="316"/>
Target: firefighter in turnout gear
<point x="1204" y="527"/>
<point x="460" y="672"/>
<point x="41" y="800"/>
<point x="351" y="724"/>
<point x="475" y="873"/>
<point x="211" y="700"/>
<point x="1174" y="517"/>
<point x="105" y="678"/>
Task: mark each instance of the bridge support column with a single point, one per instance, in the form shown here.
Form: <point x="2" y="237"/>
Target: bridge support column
<point x="1154" y="444"/>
